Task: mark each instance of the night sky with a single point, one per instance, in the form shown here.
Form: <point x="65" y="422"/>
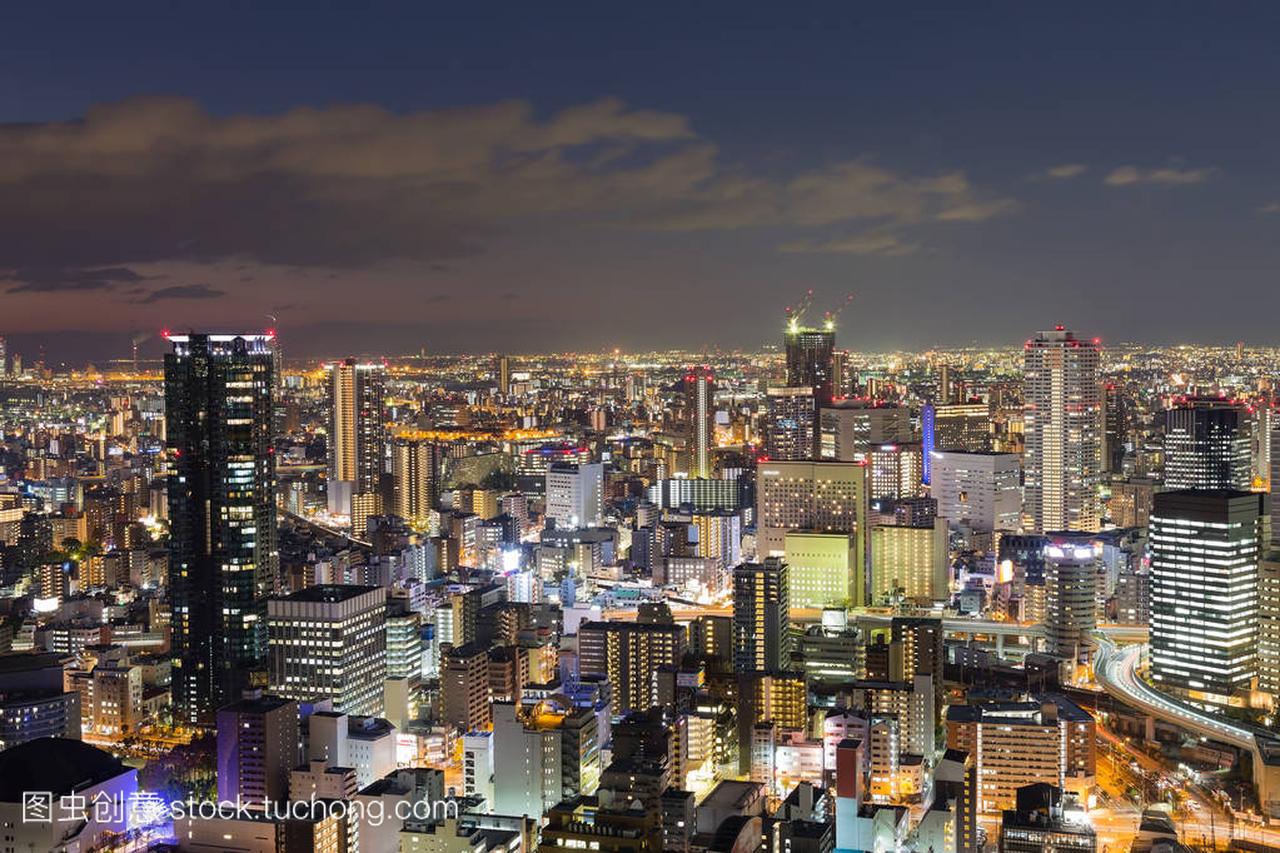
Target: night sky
<point x="550" y="176"/>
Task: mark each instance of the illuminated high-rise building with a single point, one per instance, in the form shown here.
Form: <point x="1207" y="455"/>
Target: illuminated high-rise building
<point x="1205" y="548"/>
<point x="575" y="495"/>
<point x="962" y="426"/>
<point x="699" y="391"/>
<point x="790" y="429"/>
<point x="1207" y="446"/>
<point x="810" y="359"/>
<point x="415" y="468"/>
<point x="504" y="375"/>
<point x="1071" y="599"/>
<point x="357" y="433"/>
<point x="850" y="428"/>
<point x="839" y="374"/>
<point x="4" y="358"/>
<point x="761" y="614"/>
<point x="1115" y="431"/>
<point x="222" y="515"/>
<point x="330" y="641"/>
<point x="629" y="653"/>
<point x="1062" y="415"/>
<point x="980" y="490"/>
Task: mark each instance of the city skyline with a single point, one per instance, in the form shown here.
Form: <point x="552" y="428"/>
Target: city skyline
<point x="532" y="428"/>
<point x="477" y="190"/>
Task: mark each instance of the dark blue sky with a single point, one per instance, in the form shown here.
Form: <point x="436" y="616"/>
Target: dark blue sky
<point x="970" y="174"/>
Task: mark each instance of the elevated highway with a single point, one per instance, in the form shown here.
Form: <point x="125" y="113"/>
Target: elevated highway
<point x="1116" y="670"/>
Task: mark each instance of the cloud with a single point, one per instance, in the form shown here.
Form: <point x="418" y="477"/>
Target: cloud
<point x="1169" y="176"/>
<point x="1065" y="170"/>
<point x="62" y="280"/>
<point x="977" y="211"/>
<point x="182" y="291"/>
<point x="356" y="186"/>
<point x="870" y="243"/>
<point x="1270" y="207"/>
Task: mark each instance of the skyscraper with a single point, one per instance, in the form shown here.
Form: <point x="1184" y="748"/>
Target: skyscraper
<point x="1062" y="412"/>
<point x="1206" y="446"/>
<point x="699" y="391"/>
<point x="1071" y="599"/>
<point x="222" y="513"/>
<point x="761" y="613"/>
<point x="809" y="359"/>
<point x="504" y="376"/>
<point x="415" y="467"/>
<point x="790" y="429"/>
<point x="1205" y="547"/>
<point x="357" y="434"/>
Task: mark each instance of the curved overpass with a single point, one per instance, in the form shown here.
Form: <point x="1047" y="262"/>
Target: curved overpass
<point x="1116" y="671"/>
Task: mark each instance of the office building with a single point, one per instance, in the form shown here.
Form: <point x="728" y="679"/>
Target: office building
<point x="416" y="470"/>
<point x="258" y="746"/>
<point x="330" y="641"/>
<point x="850" y="428"/>
<point x="964" y="427"/>
<point x="1131" y="502"/>
<point x="761" y="616"/>
<point x="1062" y="428"/>
<point x="790" y="424"/>
<point x="809" y="355"/>
<point x="357" y="438"/>
<point x="367" y="745"/>
<point x="1207" y="446"/>
<point x="909" y="562"/>
<point x="543" y="756"/>
<point x="34" y="700"/>
<point x="700" y="494"/>
<point x="896" y="470"/>
<point x="1205" y="549"/>
<point x="699" y="402"/>
<point x="575" y="495"/>
<point x="1071" y="598"/>
<point x="65" y="771"/>
<point x="982" y="491"/>
<point x="828" y="497"/>
<point x="823" y="568"/>
<point x="222" y="515"/>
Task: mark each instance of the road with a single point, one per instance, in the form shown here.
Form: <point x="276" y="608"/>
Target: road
<point x="1116" y="671"/>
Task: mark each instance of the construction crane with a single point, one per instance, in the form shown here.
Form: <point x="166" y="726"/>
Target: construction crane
<point x="796" y="315"/>
<point x="830" y="317"/>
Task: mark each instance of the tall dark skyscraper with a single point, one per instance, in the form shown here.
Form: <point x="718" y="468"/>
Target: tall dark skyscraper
<point x="810" y="356"/>
<point x="218" y="392"/>
<point x="1207" y="446"/>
